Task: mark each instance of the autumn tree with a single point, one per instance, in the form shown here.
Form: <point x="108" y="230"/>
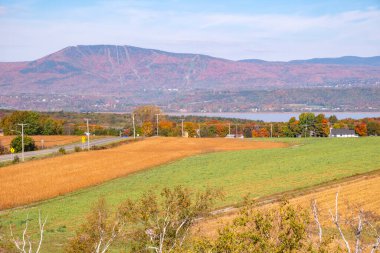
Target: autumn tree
<point x="282" y="229"/>
<point x="361" y="129"/>
<point x="190" y="128"/>
<point x="147" y="128"/>
<point x="146" y="113"/>
<point x="322" y="128"/>
<point x="221" y="129"/>
<point x="167" y="128"/>
<point x="161" y="223"/>
<point x="292" y="128"/>
<point x="98" y="233"/>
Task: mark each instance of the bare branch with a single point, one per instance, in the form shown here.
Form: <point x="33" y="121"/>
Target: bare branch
<point x="358" y="232"/>
<point x="26" y="243"/>
<point x="376" y="245"/>
<point x="336" y="222"/>
<point x="316" y="219"/>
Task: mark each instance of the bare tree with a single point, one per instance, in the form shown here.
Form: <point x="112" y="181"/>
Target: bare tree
<point x="376" y="245"/>
<point x="314" y="209"/>
<point x="103" y="243"/>
<point x="99" y="231"/>
<point x="24" y="244"/>
<point x="165" y="221"/>
<point x="336" y="221"/>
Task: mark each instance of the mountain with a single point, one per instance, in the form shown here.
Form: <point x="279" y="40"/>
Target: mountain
<point x="345" y="60"/>
<point x="96" y="75"/>
<point x="108" y="70"/>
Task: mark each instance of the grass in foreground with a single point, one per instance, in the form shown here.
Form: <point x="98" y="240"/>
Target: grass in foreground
<point x="260" y="172"/>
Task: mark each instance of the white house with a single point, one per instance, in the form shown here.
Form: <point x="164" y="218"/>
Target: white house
<point x="342" y="133"/>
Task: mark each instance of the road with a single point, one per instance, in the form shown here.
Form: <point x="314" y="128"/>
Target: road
<point x="68" y="147"/>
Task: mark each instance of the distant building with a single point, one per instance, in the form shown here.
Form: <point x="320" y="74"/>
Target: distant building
<point x="342" y="133"/>
<point x="230" y="136"/>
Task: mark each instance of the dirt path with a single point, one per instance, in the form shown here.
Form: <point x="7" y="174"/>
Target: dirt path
<point x="42" y="179"/>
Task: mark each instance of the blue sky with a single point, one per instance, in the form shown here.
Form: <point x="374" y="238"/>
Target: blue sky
<point x="270" y="30"/>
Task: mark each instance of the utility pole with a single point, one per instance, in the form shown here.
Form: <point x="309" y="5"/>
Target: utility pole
<point x="271" y="130"/>
<point x="157" y="122"/>
<point x="88" y="134"/>
<point x="229" y="128"/>
<point x="134" y="128"/>
<point x="22" y="140"/>
<point x="182" y="126"/>
<point x="199" y="127"/>
<point x="42" y="144"/>
<point x="236" y="130"/>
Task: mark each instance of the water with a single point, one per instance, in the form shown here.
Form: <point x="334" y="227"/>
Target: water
<point x="280" y="116"/>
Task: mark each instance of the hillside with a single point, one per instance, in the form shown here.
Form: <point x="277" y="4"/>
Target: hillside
<point x="108" y="76"/>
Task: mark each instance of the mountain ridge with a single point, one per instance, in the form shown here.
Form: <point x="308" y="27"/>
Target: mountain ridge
<point x="140" y="75"/>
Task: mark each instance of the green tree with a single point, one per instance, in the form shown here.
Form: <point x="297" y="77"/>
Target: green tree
<point x="333" y="119"/>
<point x="321" y="126"/>
<point x="10" y="122"/>
<point x="292" y="128"/>
<point x="373" y="128"/>
<point x="307" y="123"/>
<point x="29" y="144"/>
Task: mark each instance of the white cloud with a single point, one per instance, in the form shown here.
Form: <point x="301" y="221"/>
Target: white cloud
<point x="233" y="36"/>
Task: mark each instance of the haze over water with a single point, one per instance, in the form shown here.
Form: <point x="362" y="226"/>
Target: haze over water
<point x="280" y="116"/>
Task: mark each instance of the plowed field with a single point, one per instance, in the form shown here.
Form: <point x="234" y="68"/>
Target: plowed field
<point x="42" y="179"/>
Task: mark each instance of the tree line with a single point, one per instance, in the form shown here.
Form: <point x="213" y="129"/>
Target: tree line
<point x="146" y="119"/>
<point x="308" y="124"/>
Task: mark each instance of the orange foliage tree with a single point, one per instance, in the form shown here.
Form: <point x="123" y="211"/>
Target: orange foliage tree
<point x="147" y="129"/>
<point x="361" y="129"/>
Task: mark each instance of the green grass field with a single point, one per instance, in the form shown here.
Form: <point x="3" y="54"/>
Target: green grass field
<point x="258" y="172"/>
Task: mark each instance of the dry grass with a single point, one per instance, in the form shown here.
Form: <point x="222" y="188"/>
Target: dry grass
<point x="362" y="192"/>
<point x="42" y="179"/>
<point x="49" y="140"/>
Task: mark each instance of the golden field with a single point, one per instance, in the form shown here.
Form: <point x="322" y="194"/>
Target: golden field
<point x="361" y="192"/>
<point x="33" y="181"/>
<point x="49" y="140"/>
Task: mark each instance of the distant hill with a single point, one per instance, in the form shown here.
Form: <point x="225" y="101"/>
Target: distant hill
<point x="345" y="60"/>
<point x="140" y="75"/>
<point x="108" y="69"/>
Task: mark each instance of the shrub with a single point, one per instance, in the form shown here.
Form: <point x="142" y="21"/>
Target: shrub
<point x="3" y="150"/>
<point x="97" y="147"/>
<point x="16" y="159"/>
<point x="29" y="144"/>
<point x="62" y="151"/>
<point x="77" y="149"/>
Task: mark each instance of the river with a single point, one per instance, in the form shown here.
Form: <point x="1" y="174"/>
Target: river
<point x="279" y="116"/>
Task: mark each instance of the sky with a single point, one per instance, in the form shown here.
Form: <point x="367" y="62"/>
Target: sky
<point x="236" y="29"/>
